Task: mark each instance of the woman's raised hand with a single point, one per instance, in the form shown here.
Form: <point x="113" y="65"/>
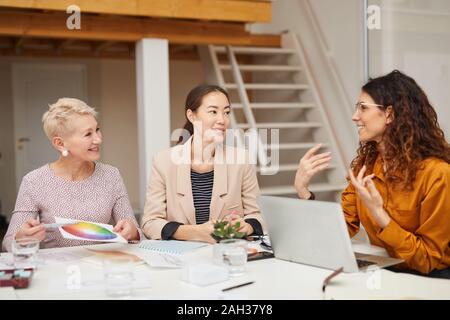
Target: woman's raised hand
<point x="309" y="165"/>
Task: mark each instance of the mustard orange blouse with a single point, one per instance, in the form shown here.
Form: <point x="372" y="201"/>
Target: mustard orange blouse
<point x="419" y="231"/>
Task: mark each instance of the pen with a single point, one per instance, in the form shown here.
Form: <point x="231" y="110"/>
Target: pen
<point x="57" y="225"/>
<point x="238" y="286"/>
<point x="331" y="276"/>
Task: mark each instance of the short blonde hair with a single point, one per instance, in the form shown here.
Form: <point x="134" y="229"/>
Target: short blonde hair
<point x="55" y="120"/>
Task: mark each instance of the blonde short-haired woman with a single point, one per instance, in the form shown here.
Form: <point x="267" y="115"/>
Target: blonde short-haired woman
<point x="75" y="186"/>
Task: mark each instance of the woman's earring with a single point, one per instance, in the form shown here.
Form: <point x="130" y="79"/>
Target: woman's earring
<point x="65" y="153"/>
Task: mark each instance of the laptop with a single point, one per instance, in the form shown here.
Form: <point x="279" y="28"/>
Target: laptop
<point x="314" y="233"/>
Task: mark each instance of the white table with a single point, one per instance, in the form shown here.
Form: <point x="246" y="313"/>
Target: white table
<point x="274" y="279"/>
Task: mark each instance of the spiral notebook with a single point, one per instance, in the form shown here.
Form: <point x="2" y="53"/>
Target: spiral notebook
<point x="171" y="246"/>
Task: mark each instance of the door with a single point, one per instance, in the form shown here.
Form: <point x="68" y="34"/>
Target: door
<point x="35" y="86"/>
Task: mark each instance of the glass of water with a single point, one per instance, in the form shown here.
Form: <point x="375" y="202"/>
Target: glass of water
<point x="234" y="255"/>
<point x="119" y="276"/>
<point x="24" y="252"/>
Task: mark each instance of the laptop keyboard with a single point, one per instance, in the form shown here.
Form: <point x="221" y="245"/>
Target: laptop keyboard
<point x="364" y="263"/>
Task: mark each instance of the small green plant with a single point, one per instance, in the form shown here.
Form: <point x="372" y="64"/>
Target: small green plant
<point x="224" y="230"/>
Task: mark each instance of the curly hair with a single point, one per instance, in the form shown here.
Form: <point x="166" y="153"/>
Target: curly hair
<point x="412" y="136"/>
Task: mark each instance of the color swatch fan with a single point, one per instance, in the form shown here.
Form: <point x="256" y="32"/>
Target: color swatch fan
<point x="88" y="231"/>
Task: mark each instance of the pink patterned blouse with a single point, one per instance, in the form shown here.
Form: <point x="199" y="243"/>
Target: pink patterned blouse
<point x="102" y="198"/>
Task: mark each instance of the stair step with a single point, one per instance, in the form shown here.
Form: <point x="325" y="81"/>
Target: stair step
<point x="255" y="50"/>
<point x="282" y="125"/>
<point x="263" y="67"/>
<point x="269" y="86"/>
<point x="283" y="167"/>
<point x="293" y="146"/>
<point x="293" y="167"/>
<point x="276" y="105"/>
<point x="317" y="187"/>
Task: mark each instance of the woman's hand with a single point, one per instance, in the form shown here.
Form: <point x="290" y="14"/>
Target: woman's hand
<point x="309" y="165"/>
<point x="32" y="229"/>
<point x="203" y="232"/>
<point x="366" y="190"/>
<point x="127" y="229"/>
<point x="196" y="232"/>
<point x="244" y="226"/>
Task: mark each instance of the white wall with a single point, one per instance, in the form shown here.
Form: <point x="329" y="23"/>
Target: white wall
<point x="7" y="161"/>
<point x="340" y="23"/>
<point x="415" y="38"/>
<point x="184" y="76"/>
<point x="117" y="100"/>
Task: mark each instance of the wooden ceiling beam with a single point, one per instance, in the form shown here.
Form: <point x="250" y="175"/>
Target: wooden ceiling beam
<point x="101" y="46"/>
<point x="40" y="47"/>
<point x="63" y="44"/>
<point x="117" y="28"/>
<point x="216" y="10"/>
<point x="18" y="44"/>
<point x="72" y="54"/>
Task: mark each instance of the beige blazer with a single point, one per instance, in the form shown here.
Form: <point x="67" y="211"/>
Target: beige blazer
<point x="169" y="192"/>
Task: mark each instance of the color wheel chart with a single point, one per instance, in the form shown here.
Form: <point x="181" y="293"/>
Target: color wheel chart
<point x="89" y="231"/>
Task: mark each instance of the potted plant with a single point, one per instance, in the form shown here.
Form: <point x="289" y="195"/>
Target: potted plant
<point x="223" y="230"/>
<point x="228" y="238"/>
<point x="224" y="233"/>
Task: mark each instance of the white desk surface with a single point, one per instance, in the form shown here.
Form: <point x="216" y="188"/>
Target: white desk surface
<point x="274" y="279"/>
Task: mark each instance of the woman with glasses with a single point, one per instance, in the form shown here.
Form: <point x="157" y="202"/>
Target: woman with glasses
<point x="399" y="181"/>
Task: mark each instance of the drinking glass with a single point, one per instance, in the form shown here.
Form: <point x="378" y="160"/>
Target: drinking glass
<point x="234" y="255"/>
<point x="25" y="252"/>
<point x="119" y="276"/>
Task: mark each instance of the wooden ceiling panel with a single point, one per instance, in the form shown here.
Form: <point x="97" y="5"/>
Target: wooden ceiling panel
<point x="20" y="23"/>
<point x="215" y="10"/>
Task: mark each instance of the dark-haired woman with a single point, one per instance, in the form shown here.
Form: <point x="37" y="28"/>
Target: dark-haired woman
<point x="195" y="183"/>
<point x="400" y="179"/>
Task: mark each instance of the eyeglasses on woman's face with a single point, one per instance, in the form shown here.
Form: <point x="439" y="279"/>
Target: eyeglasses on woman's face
<point x="361" y="106"/>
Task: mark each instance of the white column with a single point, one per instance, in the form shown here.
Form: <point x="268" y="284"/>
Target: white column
<point x="152" y="82"/>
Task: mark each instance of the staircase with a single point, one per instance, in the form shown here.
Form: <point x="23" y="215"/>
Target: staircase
<point x="272" y="88"/>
